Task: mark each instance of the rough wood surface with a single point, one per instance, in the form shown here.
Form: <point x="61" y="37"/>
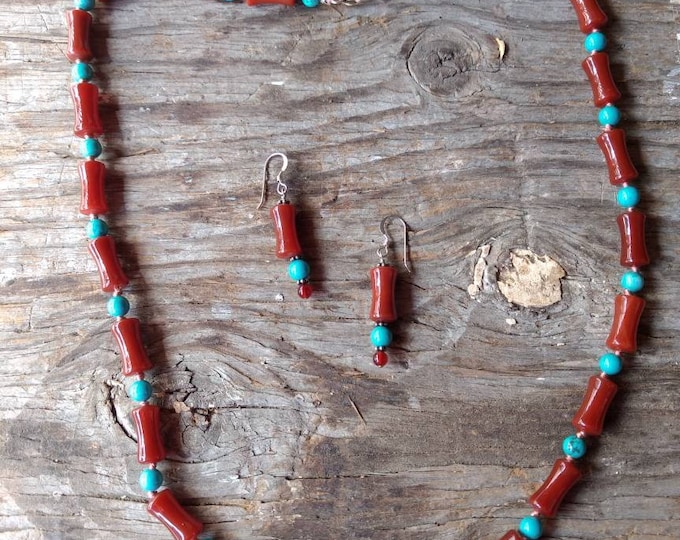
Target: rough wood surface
<point x="277" y="424"/>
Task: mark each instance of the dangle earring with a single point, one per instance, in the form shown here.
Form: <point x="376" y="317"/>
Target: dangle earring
<point x="283" y="216"/>
<point x="383" y="302"/>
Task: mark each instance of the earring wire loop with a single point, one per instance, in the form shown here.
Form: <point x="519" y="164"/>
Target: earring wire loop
<point x="281" y="187"/>
<point x="387" y="241"/>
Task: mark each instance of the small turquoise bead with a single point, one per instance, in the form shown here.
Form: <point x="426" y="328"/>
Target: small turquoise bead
<point x="298" y="270"/>
<point x="87" y="5"/>
<point x="140" y="390"/>
<point x="632" y="281"/>
<point x="574" y="447"/>
<point x="91" y="148"/>
<point x="595" y="42"/>
<point x="150" y="479"/>
<point x="628" y="196"/>
<point x="118" y="306"/>
<point x="381" y="336"/>
<point x="609" y="115"/>
<point x="81" y="72"/>
<point x="96" y="228"/>
<point x="311" y="3"/>
<point x="531" y="527"/>
<point x="610" y="364"/>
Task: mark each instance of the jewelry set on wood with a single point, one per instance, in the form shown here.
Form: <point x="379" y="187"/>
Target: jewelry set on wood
<point x="628" y="307"/>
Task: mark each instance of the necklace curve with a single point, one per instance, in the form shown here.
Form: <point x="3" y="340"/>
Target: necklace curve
<point x="601" y="388"/>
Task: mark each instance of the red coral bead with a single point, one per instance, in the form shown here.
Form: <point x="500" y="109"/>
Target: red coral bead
<point x="628" y="309"/>
<point x="111" y="275"/>
<point x="165" y="507"/>
<point x="305" y="290"/>
<point x="513" y="535"/>
<point x="612" y="142"/>
<point x="86" y="108"/>
<point x="79" y="22"/>
<point x="128" y="335"/>
<point x="547" y="499"/>
<point x="602" y="83"/>
<point x="380" y="358"/>
<point x="589" y="419"/>
<point x="287" y="244"/>
<point x="633" y="246"/>
<point x="590" y="15"/>
<point x="383" y="303"/>
<point x="150" y="447"/>
<point x="92" y="197"/>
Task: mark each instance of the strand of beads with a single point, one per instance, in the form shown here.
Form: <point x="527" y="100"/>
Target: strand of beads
<point x="126" y="330"/>
<point x="589" y="419"/>
<point x="306" y="3"/>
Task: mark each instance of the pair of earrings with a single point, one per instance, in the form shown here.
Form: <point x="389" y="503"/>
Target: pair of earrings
<point x="383" y="309"/>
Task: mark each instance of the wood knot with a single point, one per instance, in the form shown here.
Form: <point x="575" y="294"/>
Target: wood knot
<point x="452" y="60"/>
<point x="531" y="280"/>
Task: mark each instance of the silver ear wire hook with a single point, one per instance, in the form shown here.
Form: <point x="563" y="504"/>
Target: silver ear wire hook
<point x="281" y="187"/>
<point x="387" y="242"/>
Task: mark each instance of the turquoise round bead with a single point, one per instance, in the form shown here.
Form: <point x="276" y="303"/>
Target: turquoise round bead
<point x="150" y="479"/>
<point x="531" y="527"/>
<point x="632" y="281"/>
<point x="96" y="228"/>
<point x="381" y="336"/>
<point x="311" y="3"/>
<point x="609" y="115"/>
<point x="610" y="364"/>
<point x="595" y="42"/>
<point x="298" y="270"/>
<point x="91" y="148"/>
<point x="574" y="447"/>
<point x="628" y="196"/>
<point x="118" y="306"/>
<point x="81" y="72"/>
<point x="140" y="390"/>
<point x="87" y="5"/>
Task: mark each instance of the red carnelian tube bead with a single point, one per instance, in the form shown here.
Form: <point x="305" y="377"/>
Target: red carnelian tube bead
<point x="128" y="334"/>
<point x="92" y="197"/>
<point x="383" y="304"/>
<point x="612" y="142"/>
<point x="103" y="251"/>
<point x="150" y="447"/>
<point x="287" y="243"/>
<point x="633" y="246"/>
<point x="589" y="419"/>
<point x="86" y="108"/>
<point x="627" y="312"/>
<point x="170" y="513"/>
<point x="590" y="15"/>
<point x="604" y="88"/>
<point x="282" y="2"/>
<point x="561" y="479"/>
<point x="78" y="22"/>
<point x="512" y="535"/>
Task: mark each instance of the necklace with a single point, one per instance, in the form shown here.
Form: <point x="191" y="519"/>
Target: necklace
<point x="601" y="389"/>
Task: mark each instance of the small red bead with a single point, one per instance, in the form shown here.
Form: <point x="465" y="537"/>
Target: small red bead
<point x="512" y="535"/>
<point x="380" y="358"/>
<point x="305" y="290"/>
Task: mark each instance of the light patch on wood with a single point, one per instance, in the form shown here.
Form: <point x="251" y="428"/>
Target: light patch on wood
<point x="478" y="273"/>
<point x="531" y="280"/>
<point x="501" y="48"/>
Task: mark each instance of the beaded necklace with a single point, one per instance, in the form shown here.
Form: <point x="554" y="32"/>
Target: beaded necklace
<point x="601" y="389"/>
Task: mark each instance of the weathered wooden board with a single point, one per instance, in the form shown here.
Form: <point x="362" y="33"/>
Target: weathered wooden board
<point x="277" y="424"/>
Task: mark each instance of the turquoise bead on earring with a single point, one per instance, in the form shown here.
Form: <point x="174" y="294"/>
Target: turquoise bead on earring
<point x="298" y="270"/>
<point x="96" y="227"/>
<point x="140" y="391"/>
<point x="610" y="364"/>
<point x="150" y="479"/>
<point x="628" y="196"/>
<point x="91" y="148"/>
<point x="81" y="72"/>
<point x="118" y="306"/>
<point x="574" y="447"/>
<point x="632" y="281"/>
<point x="595" y="42"/>
<point x="311" y="3"/>
<point x="531" y="527"/>
<point x="609" y="115"/>
<point x="87" y="5"/>
<point x="381" y="336"/>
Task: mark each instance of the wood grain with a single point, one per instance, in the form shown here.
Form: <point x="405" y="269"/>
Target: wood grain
<point x="277" y="424"/>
